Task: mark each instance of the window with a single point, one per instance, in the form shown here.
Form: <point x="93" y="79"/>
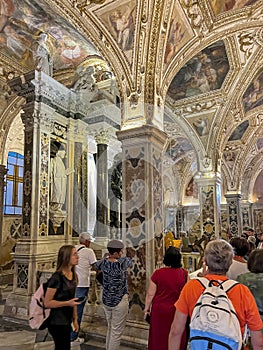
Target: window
<point x="13" y="195"/>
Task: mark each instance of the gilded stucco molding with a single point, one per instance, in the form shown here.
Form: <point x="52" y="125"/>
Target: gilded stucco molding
<point x="151" y="61"/>
<point x="11" y="65"/>
<point x="195" y="14"/>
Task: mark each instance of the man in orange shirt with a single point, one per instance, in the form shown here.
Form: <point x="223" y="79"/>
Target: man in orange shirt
<point x="218" y="257"/>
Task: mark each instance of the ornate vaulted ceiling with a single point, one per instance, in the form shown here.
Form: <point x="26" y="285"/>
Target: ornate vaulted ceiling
<point x="198" y="61"/>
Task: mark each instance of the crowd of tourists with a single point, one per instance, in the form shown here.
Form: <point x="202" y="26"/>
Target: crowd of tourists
<point x="176" y="302"/>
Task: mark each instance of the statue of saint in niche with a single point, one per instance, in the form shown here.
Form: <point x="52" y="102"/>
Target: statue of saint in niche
<point x="58" y="177"/>
<point x="115" y="191"/>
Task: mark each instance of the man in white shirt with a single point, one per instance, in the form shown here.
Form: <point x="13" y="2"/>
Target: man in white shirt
<point x="86" y="259"/>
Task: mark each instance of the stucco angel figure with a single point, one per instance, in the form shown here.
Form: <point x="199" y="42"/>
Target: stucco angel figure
<point x="44" y="60"/>
<point x="123" y="26"/>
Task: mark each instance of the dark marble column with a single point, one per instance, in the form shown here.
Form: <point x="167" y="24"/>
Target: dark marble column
<point x="234" y="213"/>
<point x="179" y="219"/>
<point x="209" y="196"/>
<point x="3" y="171"/>
<point x="102" y="224"/>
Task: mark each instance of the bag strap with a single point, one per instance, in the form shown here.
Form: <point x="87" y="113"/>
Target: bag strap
<point x="80" y="248"/>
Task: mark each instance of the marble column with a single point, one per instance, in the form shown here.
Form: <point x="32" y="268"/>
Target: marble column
<point x="102" y="220"/>
<point x="3" y="171"/>
<point x="209" y="198"/>
<point x="142" y="208"/>
<point x="234" y="213"/>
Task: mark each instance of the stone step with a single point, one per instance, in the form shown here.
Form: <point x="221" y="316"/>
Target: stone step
<point x="49" y="345"/>
<point x="93" y="344"/>
<point x="17" y="340"/>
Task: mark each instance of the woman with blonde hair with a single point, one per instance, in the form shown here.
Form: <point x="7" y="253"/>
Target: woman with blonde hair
<point x="60" y="298"/>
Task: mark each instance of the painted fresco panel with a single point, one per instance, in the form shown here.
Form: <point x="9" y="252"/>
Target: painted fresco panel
<point x="21" y="22"/>
<point x="178" y="34"/>
<point x="239" y="131"/>
<point x="179" y="148"/>
<point x="220" y="6"/>
<point x="205" y="72"/>
<point x="253" y="97"/>
<point x="120" y="20"/>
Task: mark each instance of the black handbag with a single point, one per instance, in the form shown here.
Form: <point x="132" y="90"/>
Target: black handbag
<point x="99" y="277"/>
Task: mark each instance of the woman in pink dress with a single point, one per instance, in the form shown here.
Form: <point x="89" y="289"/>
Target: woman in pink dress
<point x="164" y="289"/>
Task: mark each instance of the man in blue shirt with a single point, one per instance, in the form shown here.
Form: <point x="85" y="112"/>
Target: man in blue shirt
<point x="115" y="292"/>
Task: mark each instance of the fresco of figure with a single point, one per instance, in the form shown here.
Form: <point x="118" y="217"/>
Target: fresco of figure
<point x="122" y="25"/>
<point x="6" y="10"/>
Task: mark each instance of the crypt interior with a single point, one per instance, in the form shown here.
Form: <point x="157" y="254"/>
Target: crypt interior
<point x="129" y="120"/>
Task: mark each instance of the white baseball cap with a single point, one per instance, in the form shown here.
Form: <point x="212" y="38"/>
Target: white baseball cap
<point x="86" y="236"/>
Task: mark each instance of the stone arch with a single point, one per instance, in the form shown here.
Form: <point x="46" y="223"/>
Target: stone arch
<point x="6" y="120"/>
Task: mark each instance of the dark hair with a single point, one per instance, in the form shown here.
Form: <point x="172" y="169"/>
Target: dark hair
<point x="114" y="250"/>
<point x="64" y="256"/>
<point x="255" y="261"/>
<point x="240" y="245"/>
<point x="172" y="257"/>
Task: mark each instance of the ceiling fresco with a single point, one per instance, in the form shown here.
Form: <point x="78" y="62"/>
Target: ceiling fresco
<point x="178" y="34"/>
<point x="178" y="148"/>
<point x="22" y="22"/>
<point x="119" y="18"/>
<point x="220" y="6"/>
<point x="203" y="73"/>
<point x="239" y="131"/>
<point x="191" y="189"/>
<point x="253" y="97"/>
<point x="260" y="143"/>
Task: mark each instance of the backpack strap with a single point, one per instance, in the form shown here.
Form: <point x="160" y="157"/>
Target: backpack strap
<point x="228" y="284"/>
<point x="225" y="285"/>
<point x="204" y="281"/>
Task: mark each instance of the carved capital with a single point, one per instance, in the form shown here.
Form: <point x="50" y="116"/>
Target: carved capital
<point x="102" y="137"/>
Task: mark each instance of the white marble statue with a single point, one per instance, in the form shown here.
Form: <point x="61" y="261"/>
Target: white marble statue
<point x="58" y="181"/>
<point x="44" y="60"/>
